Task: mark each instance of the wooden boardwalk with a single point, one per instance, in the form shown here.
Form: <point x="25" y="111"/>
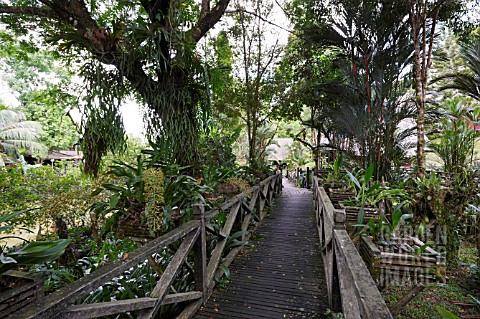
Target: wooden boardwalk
<point x="282" y="276"/>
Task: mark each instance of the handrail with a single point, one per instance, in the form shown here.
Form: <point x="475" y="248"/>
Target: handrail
<point x="350" y="286"/>
<point x="242" y="209"/>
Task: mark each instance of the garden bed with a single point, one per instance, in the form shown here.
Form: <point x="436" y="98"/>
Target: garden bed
<point x="18" y="289"/>
<point x="338" y="195"/>
<point x="397" y="263"/>
<point x="351" y="213"/>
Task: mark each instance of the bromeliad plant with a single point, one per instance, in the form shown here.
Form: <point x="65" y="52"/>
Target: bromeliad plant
<point x="156" y="192"/>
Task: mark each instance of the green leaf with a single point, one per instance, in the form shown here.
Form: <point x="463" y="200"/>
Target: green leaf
<point x="361" y="215"/>
<point x="421" y="228"/>
<point x="96" y="192"/>
<point x="7" y="260"/>
<point x="4" y="228"/>
<point x="477" y="301"/>
<point x="354" y="179"/>
<point x="406" y="216"/>
<point x="368" y="174"/>
<point x="226" y="271"/>
<point x="36" y="253"/>
<point x="421" y="249"/>
<point x="337" y="163"/>
<point x="8" y="217"/>
<point x="114" y="188"/>
<point x="114" y="200"/>
<point x="373" y="190"/>
<point x="396" y="217"/>
<point x="400" y="205"/>
<point x="236" y="243"/>
<point x="238" y="234"/>
<point x="445" y="313"/>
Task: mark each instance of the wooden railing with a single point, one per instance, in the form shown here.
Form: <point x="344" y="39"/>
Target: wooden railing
<point x="350" y="286"/>
<point x="242" y="210"/>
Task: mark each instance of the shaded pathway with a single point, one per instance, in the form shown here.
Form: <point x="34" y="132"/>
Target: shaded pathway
<point x="282" y="275"/>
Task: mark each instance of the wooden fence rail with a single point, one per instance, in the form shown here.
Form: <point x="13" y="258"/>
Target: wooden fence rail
<point x="350" y="286"/>
<point x="242" y="210"/>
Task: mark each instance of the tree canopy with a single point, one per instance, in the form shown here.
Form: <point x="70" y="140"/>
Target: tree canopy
<point x="360" y="59"/>
<point x="146" y="47"/>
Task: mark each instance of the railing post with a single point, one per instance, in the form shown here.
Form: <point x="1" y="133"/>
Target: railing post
<point x="200" y="252"/>
<point x="308" y="178"/>
<point x="270" y="191"/>
<point x="279" y="183"/>
<point x="339" y="217"/>
<point x="260" y="200"/>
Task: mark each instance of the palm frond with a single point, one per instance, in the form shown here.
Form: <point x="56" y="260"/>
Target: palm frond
<point x="467" y="81"/>
<point x="17" y="133"/>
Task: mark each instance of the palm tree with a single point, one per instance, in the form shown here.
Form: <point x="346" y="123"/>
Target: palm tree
<point x="467" y="81"/>
<point x="18" y="133"/>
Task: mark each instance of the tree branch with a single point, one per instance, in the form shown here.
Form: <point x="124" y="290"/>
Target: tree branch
<point x="153" y="7"/>
<point x="305" y="143"/>
<point x="274" y="54"/>
<point x="209" y="19"/>
<point x="258" y="16"/>
<point x="147" y="5"/>
<point x="205" y="8"/>
<point x="76" y="14"/>
<point x="33" y="11"/>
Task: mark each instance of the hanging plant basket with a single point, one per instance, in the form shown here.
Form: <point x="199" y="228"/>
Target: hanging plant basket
<point x="396" y="263"/>
<point x="18" y="289"/>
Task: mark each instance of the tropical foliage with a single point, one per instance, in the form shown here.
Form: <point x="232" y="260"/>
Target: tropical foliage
<point x="40" y="84"/>
<point x="466" y="81"/>
<point x="150" y="50"/>
<point x="18" y="134"/>
<point x="353" y="81"/>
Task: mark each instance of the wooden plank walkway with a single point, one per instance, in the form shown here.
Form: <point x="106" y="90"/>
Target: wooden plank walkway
<point x="282" y="275"/>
